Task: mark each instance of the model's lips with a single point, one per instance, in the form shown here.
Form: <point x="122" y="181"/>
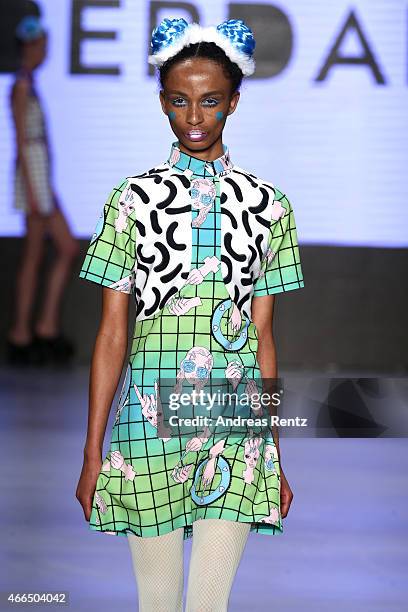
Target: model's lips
<point x="196" y="135"/>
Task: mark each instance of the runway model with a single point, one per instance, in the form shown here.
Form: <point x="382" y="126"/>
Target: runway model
<point x="35" y="198"/>
<point x="202" y="246"/>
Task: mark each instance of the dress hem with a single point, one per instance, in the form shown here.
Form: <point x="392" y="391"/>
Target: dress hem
<point x="123" y="529"/>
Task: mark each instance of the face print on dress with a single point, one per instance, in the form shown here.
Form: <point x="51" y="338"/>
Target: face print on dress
<point x="203" y="195"/>
<point x="251" y="456"/>
<point x="271" y="454"/>
<point x="195" y="367"/>
<point x="126" y="207"/>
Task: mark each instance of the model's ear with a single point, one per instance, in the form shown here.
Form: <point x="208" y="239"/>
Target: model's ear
<point x="233" y="102"/>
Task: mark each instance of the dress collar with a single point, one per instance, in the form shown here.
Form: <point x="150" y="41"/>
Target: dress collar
<point x="188" y="164"/>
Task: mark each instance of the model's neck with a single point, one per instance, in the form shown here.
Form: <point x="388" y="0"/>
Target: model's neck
<point x="209" y="154"/>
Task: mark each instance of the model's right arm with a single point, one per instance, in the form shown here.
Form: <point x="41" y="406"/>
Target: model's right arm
<point x="106" y="367"/>
<point x="19" y="106"/>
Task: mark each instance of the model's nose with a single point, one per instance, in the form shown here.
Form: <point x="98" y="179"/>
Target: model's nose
<point x="195" y="114"/>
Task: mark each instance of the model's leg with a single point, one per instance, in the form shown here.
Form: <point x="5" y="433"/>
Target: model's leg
<point x="158" y="567"/>
<point x="215" y="555"/>
<point x="27" y="278"/>
<point x="67" y="249"/>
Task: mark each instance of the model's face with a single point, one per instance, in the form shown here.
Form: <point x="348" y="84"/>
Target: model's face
<point x="197" y="99"/>
<point x="36" y="51"/>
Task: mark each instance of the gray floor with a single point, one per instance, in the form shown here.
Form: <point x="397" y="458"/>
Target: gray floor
<point x="345" y="540"/>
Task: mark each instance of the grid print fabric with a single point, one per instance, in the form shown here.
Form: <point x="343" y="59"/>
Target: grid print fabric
<point x="37" y="155"/>
<point x="148" y="485"/>
<point x="281" y="269"/>
<point x="111" y="257"/>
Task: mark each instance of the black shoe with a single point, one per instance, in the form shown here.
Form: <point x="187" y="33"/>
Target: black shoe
<point x="19" y="354"/>
<point x="55" y="349"/>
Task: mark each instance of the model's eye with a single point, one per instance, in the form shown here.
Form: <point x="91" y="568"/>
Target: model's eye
<point x="212" y="102"/>
<point x="177" y="101"/>
<point x="206" y="102"/>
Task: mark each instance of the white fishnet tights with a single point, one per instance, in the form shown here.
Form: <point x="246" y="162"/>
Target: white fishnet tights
<point x="216" y="551"/>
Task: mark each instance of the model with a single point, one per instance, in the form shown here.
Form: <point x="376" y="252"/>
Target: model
<point x="202" y="245"/>
<point x="34" y="196"/>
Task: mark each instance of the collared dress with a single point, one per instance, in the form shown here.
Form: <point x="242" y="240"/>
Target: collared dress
<point x="193" y="242"/>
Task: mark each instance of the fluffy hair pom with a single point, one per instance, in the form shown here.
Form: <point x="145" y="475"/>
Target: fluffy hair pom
<point x="233" y="36"/>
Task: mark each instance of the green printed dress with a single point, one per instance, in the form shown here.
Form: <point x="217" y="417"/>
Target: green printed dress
<point x="193" y="242"/>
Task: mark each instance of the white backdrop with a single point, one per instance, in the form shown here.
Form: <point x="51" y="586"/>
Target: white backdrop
<point x="337" y="148"/>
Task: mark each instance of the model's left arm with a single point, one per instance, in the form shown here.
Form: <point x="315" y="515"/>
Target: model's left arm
<point x="262" y="316"/>
<point x="281" y="270"/>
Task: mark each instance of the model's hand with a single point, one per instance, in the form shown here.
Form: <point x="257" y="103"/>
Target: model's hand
<point x="87" y="484"/>
<point x="286" y="495"/>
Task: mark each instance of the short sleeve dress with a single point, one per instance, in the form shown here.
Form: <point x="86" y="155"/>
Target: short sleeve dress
<point x="192" y="241"/>
<point x="37" y="153"/>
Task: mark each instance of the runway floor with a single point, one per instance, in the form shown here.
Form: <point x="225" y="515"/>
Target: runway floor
<point x="344" y="542"/>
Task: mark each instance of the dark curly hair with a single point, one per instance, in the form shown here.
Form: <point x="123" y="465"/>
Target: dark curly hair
<point x="209" y="50"/>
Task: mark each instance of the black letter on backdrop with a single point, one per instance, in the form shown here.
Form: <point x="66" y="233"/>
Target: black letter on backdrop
<point x="366" y="59"/>
<point x="273" y="34"/>
<point x="78" y="35"/>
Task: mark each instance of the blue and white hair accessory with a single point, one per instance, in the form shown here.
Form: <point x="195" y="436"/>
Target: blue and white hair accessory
<point x="233" y="36"/>
<point x="29" y="28"/>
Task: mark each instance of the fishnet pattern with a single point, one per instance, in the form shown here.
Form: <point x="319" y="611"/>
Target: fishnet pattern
<point x="216" y="551"/>
<point x="158" y="567"/>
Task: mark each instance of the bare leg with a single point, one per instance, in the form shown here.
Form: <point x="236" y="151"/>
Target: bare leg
<point x="158" y="567"/>
<point x="217" y="548"/>
<point x="26" y="280"/>
<point x="67" y="249"/>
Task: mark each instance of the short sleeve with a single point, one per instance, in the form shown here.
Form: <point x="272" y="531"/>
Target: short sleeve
<point x="281" y="268"/>
<point x="110" y="259"/>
